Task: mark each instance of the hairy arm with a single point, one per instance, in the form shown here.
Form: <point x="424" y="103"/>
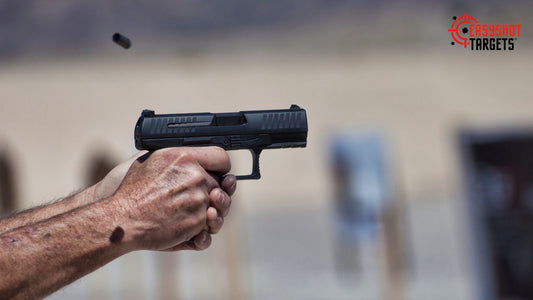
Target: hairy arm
<point x="40" y="213"/>
<point x="167" y="201"/>
<point x="103" y="189"/>
<point x="40" y="258"/>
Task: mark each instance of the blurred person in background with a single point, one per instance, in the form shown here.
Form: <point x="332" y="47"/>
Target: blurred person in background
<point x="362" y="189"/>
<point x="168" y="200"/>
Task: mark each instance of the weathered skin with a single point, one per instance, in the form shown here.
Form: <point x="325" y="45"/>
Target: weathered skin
<point x="165" y="200"/>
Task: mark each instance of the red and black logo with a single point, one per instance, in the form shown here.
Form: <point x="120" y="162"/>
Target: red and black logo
<point x="468" y="32"/>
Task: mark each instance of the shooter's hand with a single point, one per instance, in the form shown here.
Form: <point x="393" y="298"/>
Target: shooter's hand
<point x="219" y="198"/>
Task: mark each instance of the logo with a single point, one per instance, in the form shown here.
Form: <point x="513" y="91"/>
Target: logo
<point x="469" y="33"/>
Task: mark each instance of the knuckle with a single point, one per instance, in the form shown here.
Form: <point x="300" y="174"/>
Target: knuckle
<point x="195" y="199"/>
<point x="199" y="220"/>
<point x="195" y="222"/>
<point x="177" y="155"/>
<point x="168" y="154"/>
<point x="195" y="176"/>
<point x="216" y="196"/>
<point x="184" y="155"/>
<point x="225" y="200"/>
<point x="221" y="202"/>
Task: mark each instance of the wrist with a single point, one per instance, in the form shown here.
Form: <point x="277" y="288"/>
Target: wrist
<point x="122" y="232"/>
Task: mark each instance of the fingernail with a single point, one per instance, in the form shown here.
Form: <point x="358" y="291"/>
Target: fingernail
<point x="204" y="236"/>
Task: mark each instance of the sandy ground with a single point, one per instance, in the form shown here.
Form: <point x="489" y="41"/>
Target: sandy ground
<point x="58" y="113"/>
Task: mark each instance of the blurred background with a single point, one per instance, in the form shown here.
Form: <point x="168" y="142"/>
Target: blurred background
<point x="417" y="181"/>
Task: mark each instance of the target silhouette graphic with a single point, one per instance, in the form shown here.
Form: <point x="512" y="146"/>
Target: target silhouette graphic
<point x="461" y="25"/>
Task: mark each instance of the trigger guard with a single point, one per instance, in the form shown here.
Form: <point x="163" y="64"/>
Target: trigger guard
<point x="255" y="166"/>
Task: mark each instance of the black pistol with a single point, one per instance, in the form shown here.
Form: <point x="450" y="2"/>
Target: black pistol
<point x="254" y="130"/>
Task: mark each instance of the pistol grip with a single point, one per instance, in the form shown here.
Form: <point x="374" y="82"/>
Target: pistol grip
<point x="255" y="167"/>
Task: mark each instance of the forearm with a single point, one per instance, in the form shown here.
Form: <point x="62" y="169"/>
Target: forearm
<point x="41" y="213"/>
<point x="38" y="259"/>
<point x="160" y="202"/>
